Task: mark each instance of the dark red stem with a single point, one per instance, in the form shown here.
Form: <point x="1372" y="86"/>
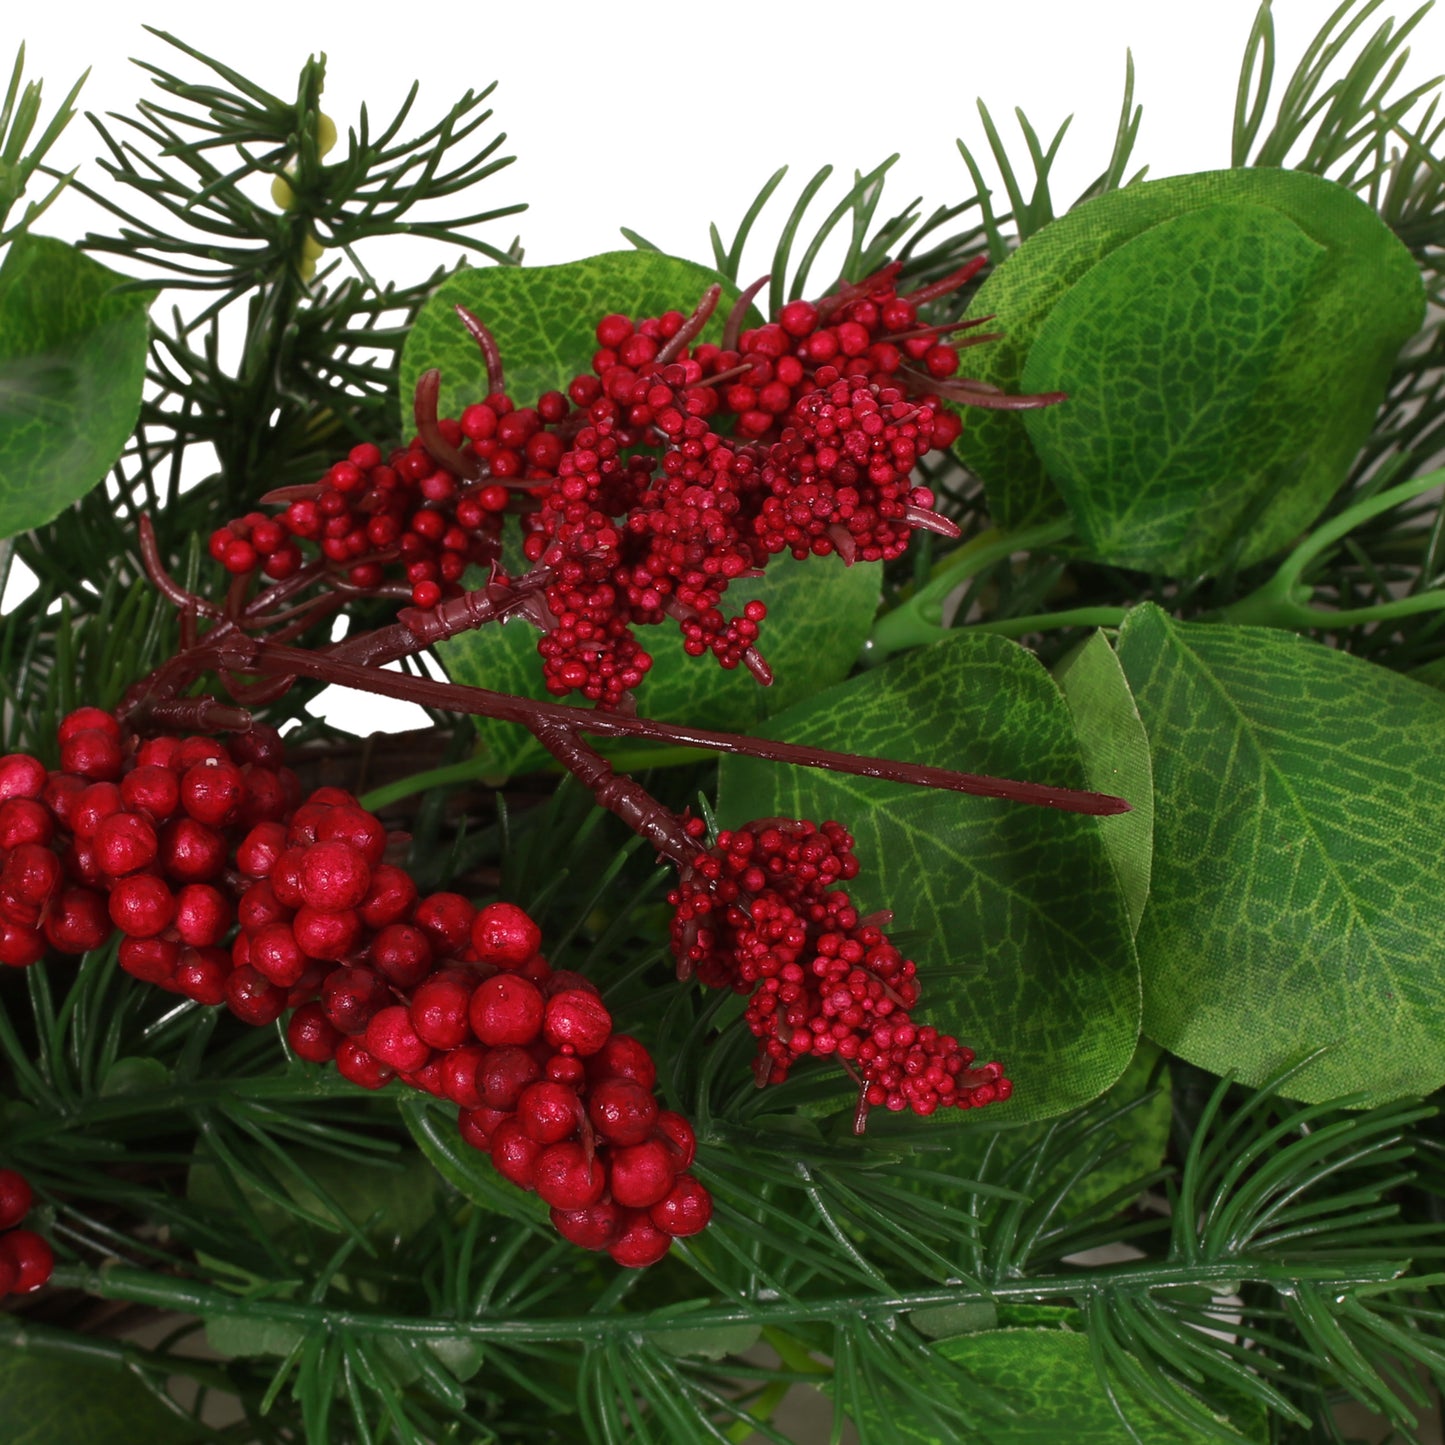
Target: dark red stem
<point x="424" y="409"/>
<point x="692" y="327"/>
<point x="246" y="655"/>
<point x="733" y="328"/>
<point x="491" y="356"/>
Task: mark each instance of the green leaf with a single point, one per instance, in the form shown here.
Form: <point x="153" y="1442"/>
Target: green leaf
<point x="134" y="1075"/>
<point x="544" y="319"/>
<point x="53" y="1400"/>
<point x="819" y="614"/>
<point x="1012" y="913"/>
<point x="1162" y="348"/>
<point x="1039" y="1363"/>
<point x="711" y="1343"/>
<point x="1129" y="342"/>
<point x="1296" y="894"/>
<point x="72" y="363"/>
<point x="1116" y="759"/>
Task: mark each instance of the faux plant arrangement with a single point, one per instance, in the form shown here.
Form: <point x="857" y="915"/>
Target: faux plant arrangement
<point x="1058" y="595"/>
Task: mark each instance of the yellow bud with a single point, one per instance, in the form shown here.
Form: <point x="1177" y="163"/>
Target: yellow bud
<point x="325" y="133"/>
<point x="282" y="193"/>
<point x="311" y="248"/>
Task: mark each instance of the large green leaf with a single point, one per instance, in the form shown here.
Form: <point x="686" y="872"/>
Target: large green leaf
<point x="1298" y="892"/>
<point x="1013" y="913"/>
<point x="819" y="614"/>
<point x="1039" y="1365"/>
<point x="544" y="319"/>
<point x="1116" y="759"/>
<point x="72" y="363"/>
<point x="53" y="1400"/>
<point x="1148" y="350"/>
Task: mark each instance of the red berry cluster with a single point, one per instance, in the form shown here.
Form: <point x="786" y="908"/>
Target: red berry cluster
<point x="760" y="912"/>
<point x="658" y="477"/>
<point x="26" y="1260"/>
<point x="175" y="842"/>
<point x="367" y="514"/>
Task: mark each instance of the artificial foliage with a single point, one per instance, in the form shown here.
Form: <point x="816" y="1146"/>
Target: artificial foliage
<point x="920" y="896"/>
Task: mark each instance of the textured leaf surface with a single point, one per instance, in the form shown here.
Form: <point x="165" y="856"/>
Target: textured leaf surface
<point x="45" y="1400"/>
<point x="72" y="362"/>
<point x="1116" y="759"/>
<point x="1162" y="348"/>
<point x="1012" y="913"/>
<point x="819" y="614"/>
<point x="544" y="319"/>
<point x="1039" y="1364"/>
<point x="1362" y="304"/>
<point x="1298" y="895"/>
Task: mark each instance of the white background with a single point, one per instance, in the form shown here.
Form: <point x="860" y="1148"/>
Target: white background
<point x="665" y="117"/>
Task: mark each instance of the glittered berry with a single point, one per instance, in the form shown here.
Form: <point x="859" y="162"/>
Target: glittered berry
<point x="325" y="935"/>
<point x="476" y="1126"/>
<point x="253" y="998"/>
<point x="578" y="1019"/>
<point x="623" y="1057"/>
<point x="358" y="1065"/>
<point x="439" y="1010"/>
<point x="567" y="1177"/>
<point x="92" y="753"/>
<point x="15" y="1198"/>
<point x="640" y="1174"/>
<point x="402" y="954"/>
<point x="639" y="1241"/>
<point x="621" y="1111"/>
<point x="203" y="915"/>
<point x="21" y="776"/>
<point x="152" y="790"/>
<point x="192" y="851"/>
<point x="459" y="1074"/>
<point x="31" y="1257"/>
<point x="142" y="905"/>
<point x="506" y="1009"/>
<point x="213" y="792"/>
<point x="312" y="1035"/>
<point x="201" y="974"/>
<point x="592" y="1228"/>
<point x="514" y="1152"/>
<point x="391" y="1038"/>
<point x="678" y="1135"/>
<point x="276" y="955"/>
<point x="20" y="946"/>
<point x="549" y="1112"/>
<point x="152" y="960"/>
<point x="390" y="897"/>
<point x="447" y="918"/>
<point x="503" y="1074"/>
<point x="350" y="996"/>
<point x="685" y="1209"/>
<point x="334" y="876"/>
<point x="78" y="921"/>
<point x="503" y="935"/>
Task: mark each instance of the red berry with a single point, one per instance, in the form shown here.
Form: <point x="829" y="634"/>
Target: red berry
<point x="353" y="825"/>
<point x="21" y="776"/>
<point x="142" y="905"/>
<point x="678" y="1135"/>
<point x="639" y="1241"/>
<point x="640" y="1174"/>
<point x="191" y="851"/>
<point x="567" y="1177"/>
<point x="402" y="954"/>
<point x="685" y="1209"/>
<point x="15" y="1198"/>
<point x="253" y="998"/>
<point x="503" y="1074"/>
<point x="621" y="1111"/>
<point x="355" y="1063"/>
<point x="506" y="1009"/>
<point x="459" y="1075"/>
<point x="213" y="792"/>
<point x="514" y="1153"/>
<point x="152" y="790"/>
<point x="311" y="1034"/>
<point x="439" y="1010"/>
<point x="476" y="1126"/>
<point x="95" y="804"/>
<point x="549" y="1112"/>
<point x="125" y="843"/>
<point x="20" y="946"/>
<point x="351" y="996"/>
<point x="276" y="955"/>
<point x="203" y="914"/>
<point x="152" y="960"/>
<point x="201" y="974"/>
<point x="332" y="936"/>
<point x="447" y="917"/>
<point x="93" y="754"/>
<point x="592" y="1228"/>
<point x="24" y="820"/>
<point x="391" y="1038"/>
<point x="579" y="1019"/>
<point x="334" y="876"/>
<point x="30" y="878"/>
<point x="259" y="906"/>
<point x="31" y="1257"/>
<point x="503" y="935"/>
<point x="623" y="1057"/>
<point x="390" y="897"/>
<point x="77" y="921"/>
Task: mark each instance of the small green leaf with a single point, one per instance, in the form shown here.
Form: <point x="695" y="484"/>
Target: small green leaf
<point x="1012" y="913"/>
<point x="544" y="319"/>
<point x="1314" y="404"/>
<point x="819" y="613"/>
<point x="72" y="363"/>
<point x="1116" y="759"/>
<point x="712" y="1343"/>
<point x="1292" y="905"/>
<point x="1039" y="1363"/>
<point x="943" y="1322"/>
<point x="53" y="1400"/>
<point x="134" y="1075"/>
